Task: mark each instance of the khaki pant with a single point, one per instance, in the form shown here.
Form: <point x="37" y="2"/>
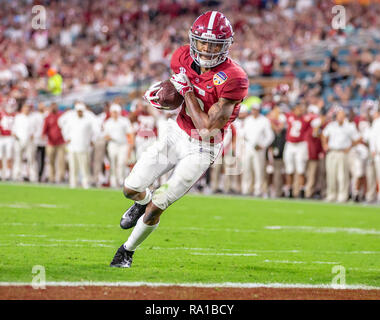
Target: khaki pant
<point x="315" y="178"/>
<point x="253" y="171"/>
<point x="56" y="159"/>
<point x="230" y="177"/>
<point x="117" y="154"/>
<point x="278" y="177"/>
<point x="377" y="168"/>
<point x="99" y="154"/>
<point x="338" y="177"/>
<point x="79" y="160"/>
<point x="370" y="173"/>
<point x="25" y="150"/>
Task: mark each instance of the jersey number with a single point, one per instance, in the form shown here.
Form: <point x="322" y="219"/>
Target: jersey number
<point x="295" y="130"/>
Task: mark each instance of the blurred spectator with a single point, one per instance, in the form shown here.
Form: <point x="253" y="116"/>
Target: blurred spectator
<point x="144" y="126"/>
<point x="39" y="139"/>
<point x="374" y="143"/>
<point x="258" y="136"/>
<point x="6" y="139"/>
<point x="276" y="151"/>
<point x="78" y="135"/>
<point x="55" y="149"/>
<point x="54" y="82"/>
<point x="100" y="143"/>
<point x="118" y="133"/>
<point x="296" y="149"/>
<point x="337" y="139"/>
<point x="23" y="130"/>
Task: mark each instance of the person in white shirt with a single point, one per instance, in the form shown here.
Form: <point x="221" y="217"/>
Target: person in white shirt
<point x="338" y="137"/>
<point x="23" y="130"/>
<point x="78" y="133"/>
<point x="39" y="139"/>
<point x="374" y="146"/>
<point x="100" y="149"/>
<point x="258" y="135"/>
<point x="118" y="132"/>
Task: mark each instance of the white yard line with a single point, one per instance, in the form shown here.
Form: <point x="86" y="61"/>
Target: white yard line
<point x="198" y="285"/>
<point x="70" y="245"/>
<point x="301" y="262"/>
<point x="22" y="205"/>
<point x="325" y="229"/>
<point x="224" y="254"/>
<point x="64" y="225"/>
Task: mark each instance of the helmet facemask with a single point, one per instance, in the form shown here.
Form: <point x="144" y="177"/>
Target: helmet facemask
<point x="215" y="56"/>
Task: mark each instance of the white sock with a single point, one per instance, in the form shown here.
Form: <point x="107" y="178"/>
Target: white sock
<point x="139" y="234"/>
<point x="148" y="197"/>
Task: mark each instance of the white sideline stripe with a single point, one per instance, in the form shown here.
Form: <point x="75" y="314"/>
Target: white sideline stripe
<point x="29" y="235"/>
<point x="198" y="285"/>
<point x="266" y="260"/>
<point x="224" y="254"/>
<point x="22" y="205"/>
<point x="325" y="229"/>
<point x="301" y="262"/>
<point x="79" y="240"/>
<point x="57" y="245"/>
<point x="65" y="225"/>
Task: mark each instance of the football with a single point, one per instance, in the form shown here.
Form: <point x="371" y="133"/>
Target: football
<point x="169" y="97"/>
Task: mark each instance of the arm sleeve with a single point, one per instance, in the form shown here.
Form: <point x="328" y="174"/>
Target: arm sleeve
<point x="235" y="89"/>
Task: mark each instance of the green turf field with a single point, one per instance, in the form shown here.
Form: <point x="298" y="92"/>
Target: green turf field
<point x="75" y="233"/>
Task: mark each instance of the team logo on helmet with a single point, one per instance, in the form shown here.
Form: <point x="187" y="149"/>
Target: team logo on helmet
<point x="219" y="78"/>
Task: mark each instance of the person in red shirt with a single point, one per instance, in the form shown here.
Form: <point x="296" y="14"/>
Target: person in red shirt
<point x="266" y="60"/>
<point x="55" y="148"/>
<point x="315" y="171"/>
<point x="296" y="150"/>
<point x="213" y="87"/>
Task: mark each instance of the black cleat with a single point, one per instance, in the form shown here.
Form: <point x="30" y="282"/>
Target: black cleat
<point x="130" y="217"/>
<point x="122" y="258"/>
<point x="302" y="194"/>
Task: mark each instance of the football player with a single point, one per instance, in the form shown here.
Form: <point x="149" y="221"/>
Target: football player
<point x="212" y="86"/>
<point x="296" y="151"/>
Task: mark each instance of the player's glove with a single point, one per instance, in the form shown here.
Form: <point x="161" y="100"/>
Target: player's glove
<point x="151" y="95"/>
<point x="182" y="83"/>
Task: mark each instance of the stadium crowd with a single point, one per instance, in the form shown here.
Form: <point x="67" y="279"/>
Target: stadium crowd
<point x="285" y="140"/>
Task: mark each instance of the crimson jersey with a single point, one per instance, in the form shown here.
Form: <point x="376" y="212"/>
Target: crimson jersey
<point x="145" y="125"/>
<point x="361" y="123"/>
<point x="226" y="80"/>
<point x="297" y="127"/>
<point x="6" y="123"/>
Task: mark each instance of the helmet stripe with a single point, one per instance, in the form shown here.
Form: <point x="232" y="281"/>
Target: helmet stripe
<point x="211" y="21"/>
